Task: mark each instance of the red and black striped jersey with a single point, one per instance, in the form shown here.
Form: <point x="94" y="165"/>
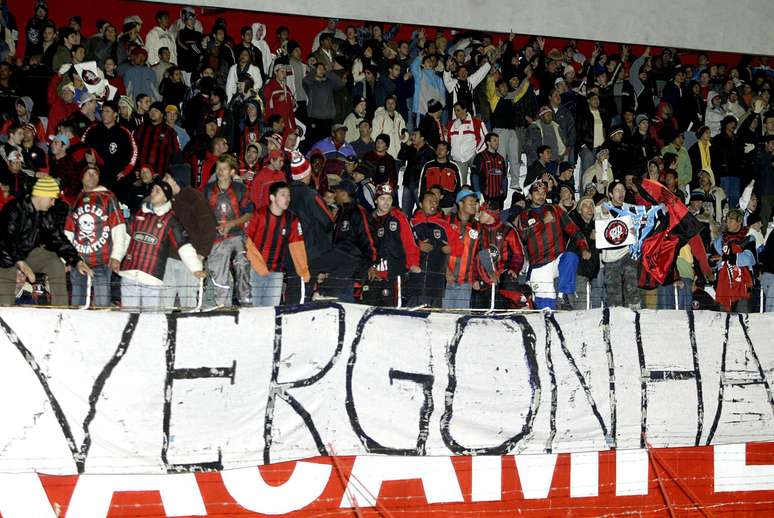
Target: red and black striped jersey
<point x="489" y="174"/>
<point x="543" y="241"/>
<point x="464" y="267"/>
<point x="272" y="234"/>
<point x="156" y="146"/>
<point x="229" y="204"/>
<point x="504" y="241"/>
<point x="91" y="220"/>
<point x="151" y="237"/>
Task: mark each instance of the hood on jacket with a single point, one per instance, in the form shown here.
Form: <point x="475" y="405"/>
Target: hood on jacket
<point x="258" y="27"/>
<point x="260" y="44"/>
<point x="711" y="176"/>
<point x="711" y="96"/>
<point x="381" y="110"/>
<point x="28" y="104"/>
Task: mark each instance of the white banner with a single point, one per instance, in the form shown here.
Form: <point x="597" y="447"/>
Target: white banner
<point x="695" y="24"/>
<point x="93" y="392"/>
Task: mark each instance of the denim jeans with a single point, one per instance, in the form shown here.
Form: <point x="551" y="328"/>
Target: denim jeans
<point x="510" y="148"/>
<point x="568" y="267"/>
<point x="767" y="285"/>
<point x="136" y="296"/>
<point x="266" y="289"/>
<point x="457" y="296"/>
<point x="733" y="187"/>
<point x="179" y="282"/>
<point x="409" y="201"/>
<point x="586" y="288"/>
<point x="100" y="283"/>
<point x="666" y="296"/>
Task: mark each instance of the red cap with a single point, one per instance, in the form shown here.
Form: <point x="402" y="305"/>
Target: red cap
<point x="276" y="154"/>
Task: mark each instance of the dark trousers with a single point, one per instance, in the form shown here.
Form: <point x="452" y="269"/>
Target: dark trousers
<point x="341" y="269"/>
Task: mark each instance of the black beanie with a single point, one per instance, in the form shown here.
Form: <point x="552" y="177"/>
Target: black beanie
<point x="165" y="187"/>
<point x="182" y="174"/>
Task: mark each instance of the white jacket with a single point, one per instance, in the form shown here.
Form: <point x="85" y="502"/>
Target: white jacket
<point x="157" y="38"/>
<point x="392" y="126"/>
<point x="464" y="140"/>
<point x="259" y="41"/>
<point x="713" y="116"/>
<point x="231" y="80"/>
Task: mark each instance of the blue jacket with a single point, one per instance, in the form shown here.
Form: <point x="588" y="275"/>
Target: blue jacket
<point x="427" y="85"/>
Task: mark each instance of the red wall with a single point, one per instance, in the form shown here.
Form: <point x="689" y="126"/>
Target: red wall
<point x="302" y="28"/>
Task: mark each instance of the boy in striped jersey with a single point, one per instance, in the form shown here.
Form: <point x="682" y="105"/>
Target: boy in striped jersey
<point x="273" y="232"/>
<point x="153" y="231"/>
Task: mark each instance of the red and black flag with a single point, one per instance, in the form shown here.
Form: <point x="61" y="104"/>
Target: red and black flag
<point x="676" y="228"/>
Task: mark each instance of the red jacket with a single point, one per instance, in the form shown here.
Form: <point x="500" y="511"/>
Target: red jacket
<point x="59" y="109"/>
<point x="280" y="101"/>
<point x="464" y="267"/>
<point x="259" y="189"/>
<point x="207" y="169"/>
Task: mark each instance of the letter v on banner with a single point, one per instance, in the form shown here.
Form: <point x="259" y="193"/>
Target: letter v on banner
<point x="79" y="452"/>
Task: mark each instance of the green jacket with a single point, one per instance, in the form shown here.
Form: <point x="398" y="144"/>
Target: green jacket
<point x="684" y="169"/>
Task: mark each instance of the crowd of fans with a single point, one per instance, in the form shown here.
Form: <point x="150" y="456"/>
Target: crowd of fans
<point x="179" y="166"/>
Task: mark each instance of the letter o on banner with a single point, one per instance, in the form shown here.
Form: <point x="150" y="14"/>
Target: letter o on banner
<point x="502" y="362"/>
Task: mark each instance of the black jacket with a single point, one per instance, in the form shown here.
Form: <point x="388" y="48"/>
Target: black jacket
<point x="117" y="149"/>
<point x="415" y="161"/>
<point x="352" y="235"/>
<point x="726" y="156"/>
<point x="22" y="228"/>
<point x="643" y="148"/>
<point x="315" y="219"/>
<point x="584" y="125"/>
<point x="588" y="268"/>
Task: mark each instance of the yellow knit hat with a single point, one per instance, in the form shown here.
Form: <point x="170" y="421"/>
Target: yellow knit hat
<point x="46" y="187"/>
